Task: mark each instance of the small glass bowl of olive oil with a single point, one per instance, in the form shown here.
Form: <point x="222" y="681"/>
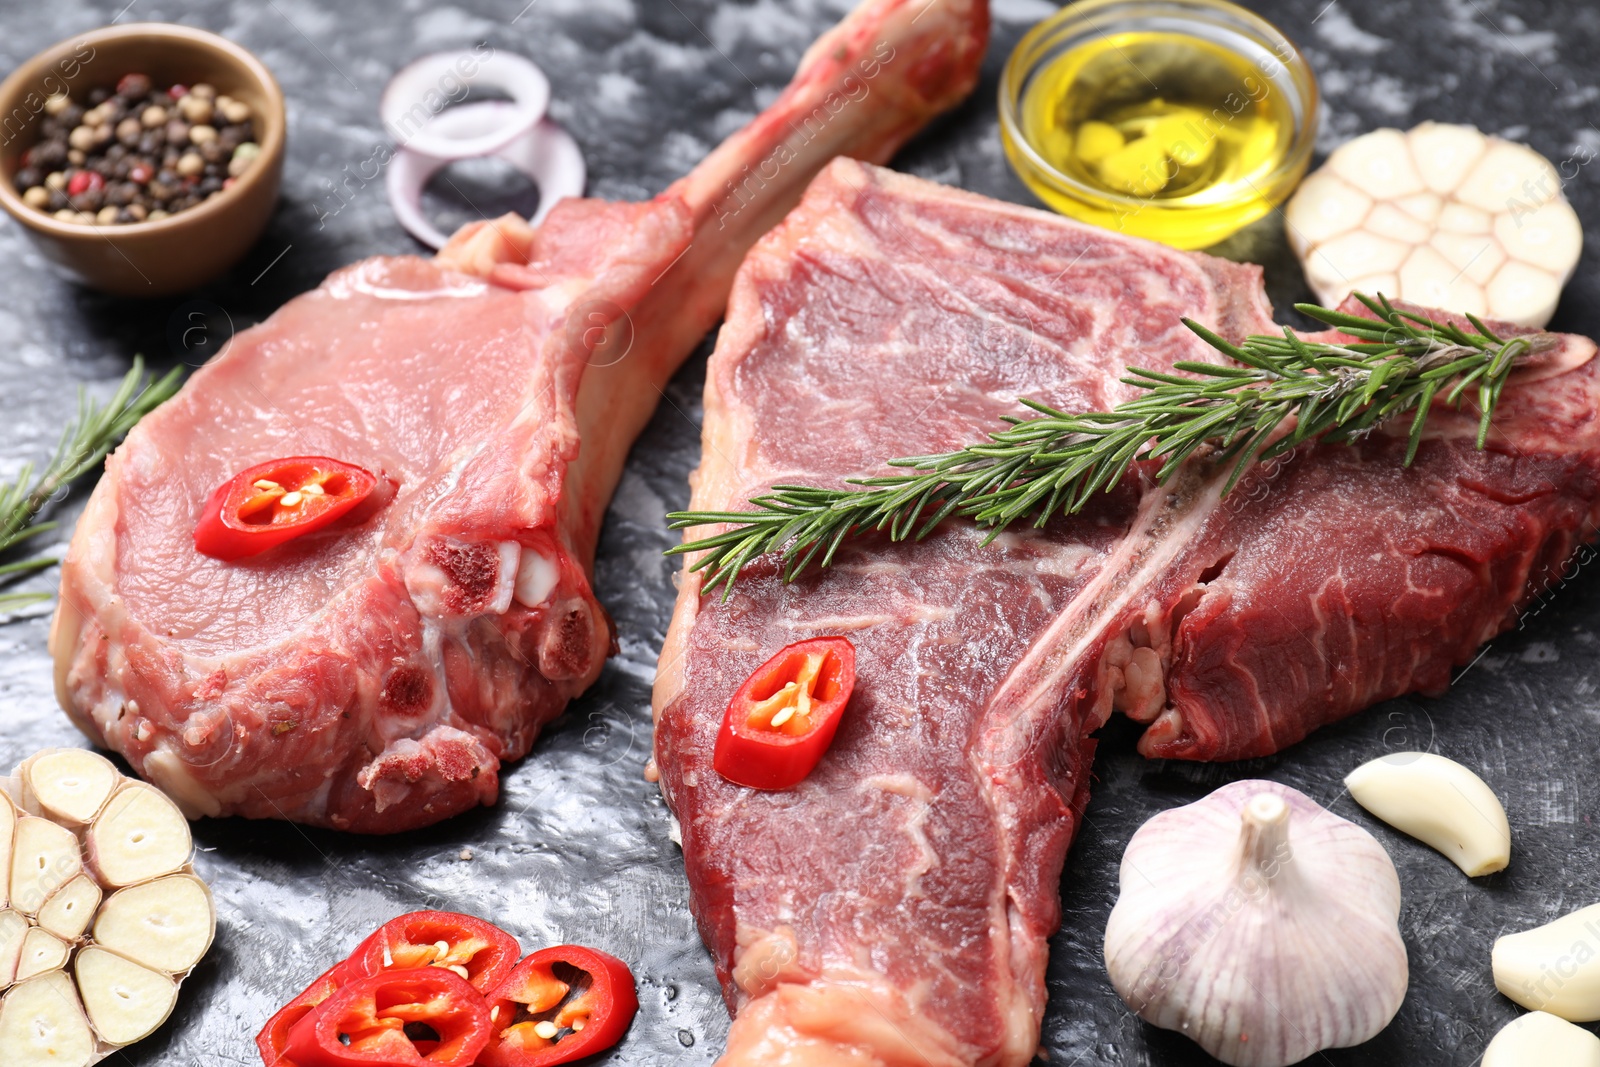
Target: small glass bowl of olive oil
<point x="1179" y="120"/>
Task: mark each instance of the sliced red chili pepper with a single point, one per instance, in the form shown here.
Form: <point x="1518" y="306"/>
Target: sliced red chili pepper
<point x="478" y="951"/>
<point x="425" y="1016"/>
<point x="560" y="1004"/>
<point x="273" y="1039"/>
<point x="784" y="716"/>
<point x="263" y="506"/>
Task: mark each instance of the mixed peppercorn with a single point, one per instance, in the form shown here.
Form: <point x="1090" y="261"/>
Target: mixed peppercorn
<point x="136" y="154"/>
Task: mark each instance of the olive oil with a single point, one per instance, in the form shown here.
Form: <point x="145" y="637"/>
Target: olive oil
<point x="1161" y="133"/>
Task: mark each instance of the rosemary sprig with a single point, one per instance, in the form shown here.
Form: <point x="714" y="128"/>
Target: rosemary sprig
<point x="95" y="431"/>
<point x="1054" y="462"/>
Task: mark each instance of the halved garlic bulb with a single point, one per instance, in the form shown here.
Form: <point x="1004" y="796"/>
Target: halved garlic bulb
<point x="102" y="891"/>
<point x="1260" y="925"/>
<point x="1443" y="216"/>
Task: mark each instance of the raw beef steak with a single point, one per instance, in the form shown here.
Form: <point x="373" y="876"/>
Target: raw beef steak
<point x="375" y="678"/>
<point x="894" y="907"/>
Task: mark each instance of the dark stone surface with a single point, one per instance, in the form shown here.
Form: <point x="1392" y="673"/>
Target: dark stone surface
<point x="578" y="848"/>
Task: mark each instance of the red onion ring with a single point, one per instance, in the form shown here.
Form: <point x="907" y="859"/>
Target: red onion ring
<point x="547" y="154"/>
<point x="420" y="95"/>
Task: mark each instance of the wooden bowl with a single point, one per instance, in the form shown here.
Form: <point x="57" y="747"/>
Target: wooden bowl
<point x="183" y="250"/>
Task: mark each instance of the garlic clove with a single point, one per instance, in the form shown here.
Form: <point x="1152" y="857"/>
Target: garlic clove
<point x="1429" y="279"/>
<point x="42" y="951"/>
<point x="1519" y="285"/>
<point x="1459" y="218"/>
<point x="1540" y="1039"/>
<point x="1477" y="256"/>
<point x="1440" y="803"/>
<point x="1445" y="152"/>
<point x="1554" y="968"/>
<point x="1260" y="925"/>
<point x="1380" y="160"/>
<point x="42" y="1022"/>
<point x="1506" y="174"/>
<point x="1397" y="224"/>
<point x="1330" y="208"/>
<point x="1424" y="207"/>
<point x="1410" y="188"/>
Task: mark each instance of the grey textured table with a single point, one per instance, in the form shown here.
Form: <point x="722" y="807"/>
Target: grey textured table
<point x="578" y="847"/>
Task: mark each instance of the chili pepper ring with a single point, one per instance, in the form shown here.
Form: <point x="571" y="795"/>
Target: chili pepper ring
<point x="781" y="721"/>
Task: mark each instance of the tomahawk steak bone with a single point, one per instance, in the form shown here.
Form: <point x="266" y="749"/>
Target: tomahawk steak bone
<point x="894" y="907"/>
<point x="375" y="678"/>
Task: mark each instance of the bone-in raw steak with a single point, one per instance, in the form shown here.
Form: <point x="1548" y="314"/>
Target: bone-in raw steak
<point x="894" y="907"/>
<point x="375" y="678"/>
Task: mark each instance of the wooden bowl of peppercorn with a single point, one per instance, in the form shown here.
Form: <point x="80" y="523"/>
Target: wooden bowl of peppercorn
<point x="157" y="189"/>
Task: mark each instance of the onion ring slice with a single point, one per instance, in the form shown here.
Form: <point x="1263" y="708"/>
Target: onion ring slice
<point x="418" y="98"/>
<point x="547" y="154"/>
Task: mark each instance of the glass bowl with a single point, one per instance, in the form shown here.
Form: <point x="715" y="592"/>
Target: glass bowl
<point x="1189" y="217"/>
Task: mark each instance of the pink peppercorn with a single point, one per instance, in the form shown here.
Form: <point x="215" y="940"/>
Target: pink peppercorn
<point x="83" y="181"/>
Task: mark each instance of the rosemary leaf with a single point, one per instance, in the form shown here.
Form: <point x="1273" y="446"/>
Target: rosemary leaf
<point x="93" y="434"/>
<point x="1055" y="462"/>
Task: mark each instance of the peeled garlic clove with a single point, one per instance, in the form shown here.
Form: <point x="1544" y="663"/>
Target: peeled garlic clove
<point x="167" y="924"/>
<point x="1260" y="925"/>
<point x="1554" y="968"/>
<point x="68" y="785"/>
<point x="1386" y="187"/>
<point x="125" y="1002"/>
<point x="42" y="1022"/>
<point x="1539" y="1039"/>
<point x="141" y="834"/>
<point x="1440" y="803"/>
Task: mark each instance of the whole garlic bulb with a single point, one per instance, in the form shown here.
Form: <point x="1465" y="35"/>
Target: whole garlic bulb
<point x="1260" y="925"/>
